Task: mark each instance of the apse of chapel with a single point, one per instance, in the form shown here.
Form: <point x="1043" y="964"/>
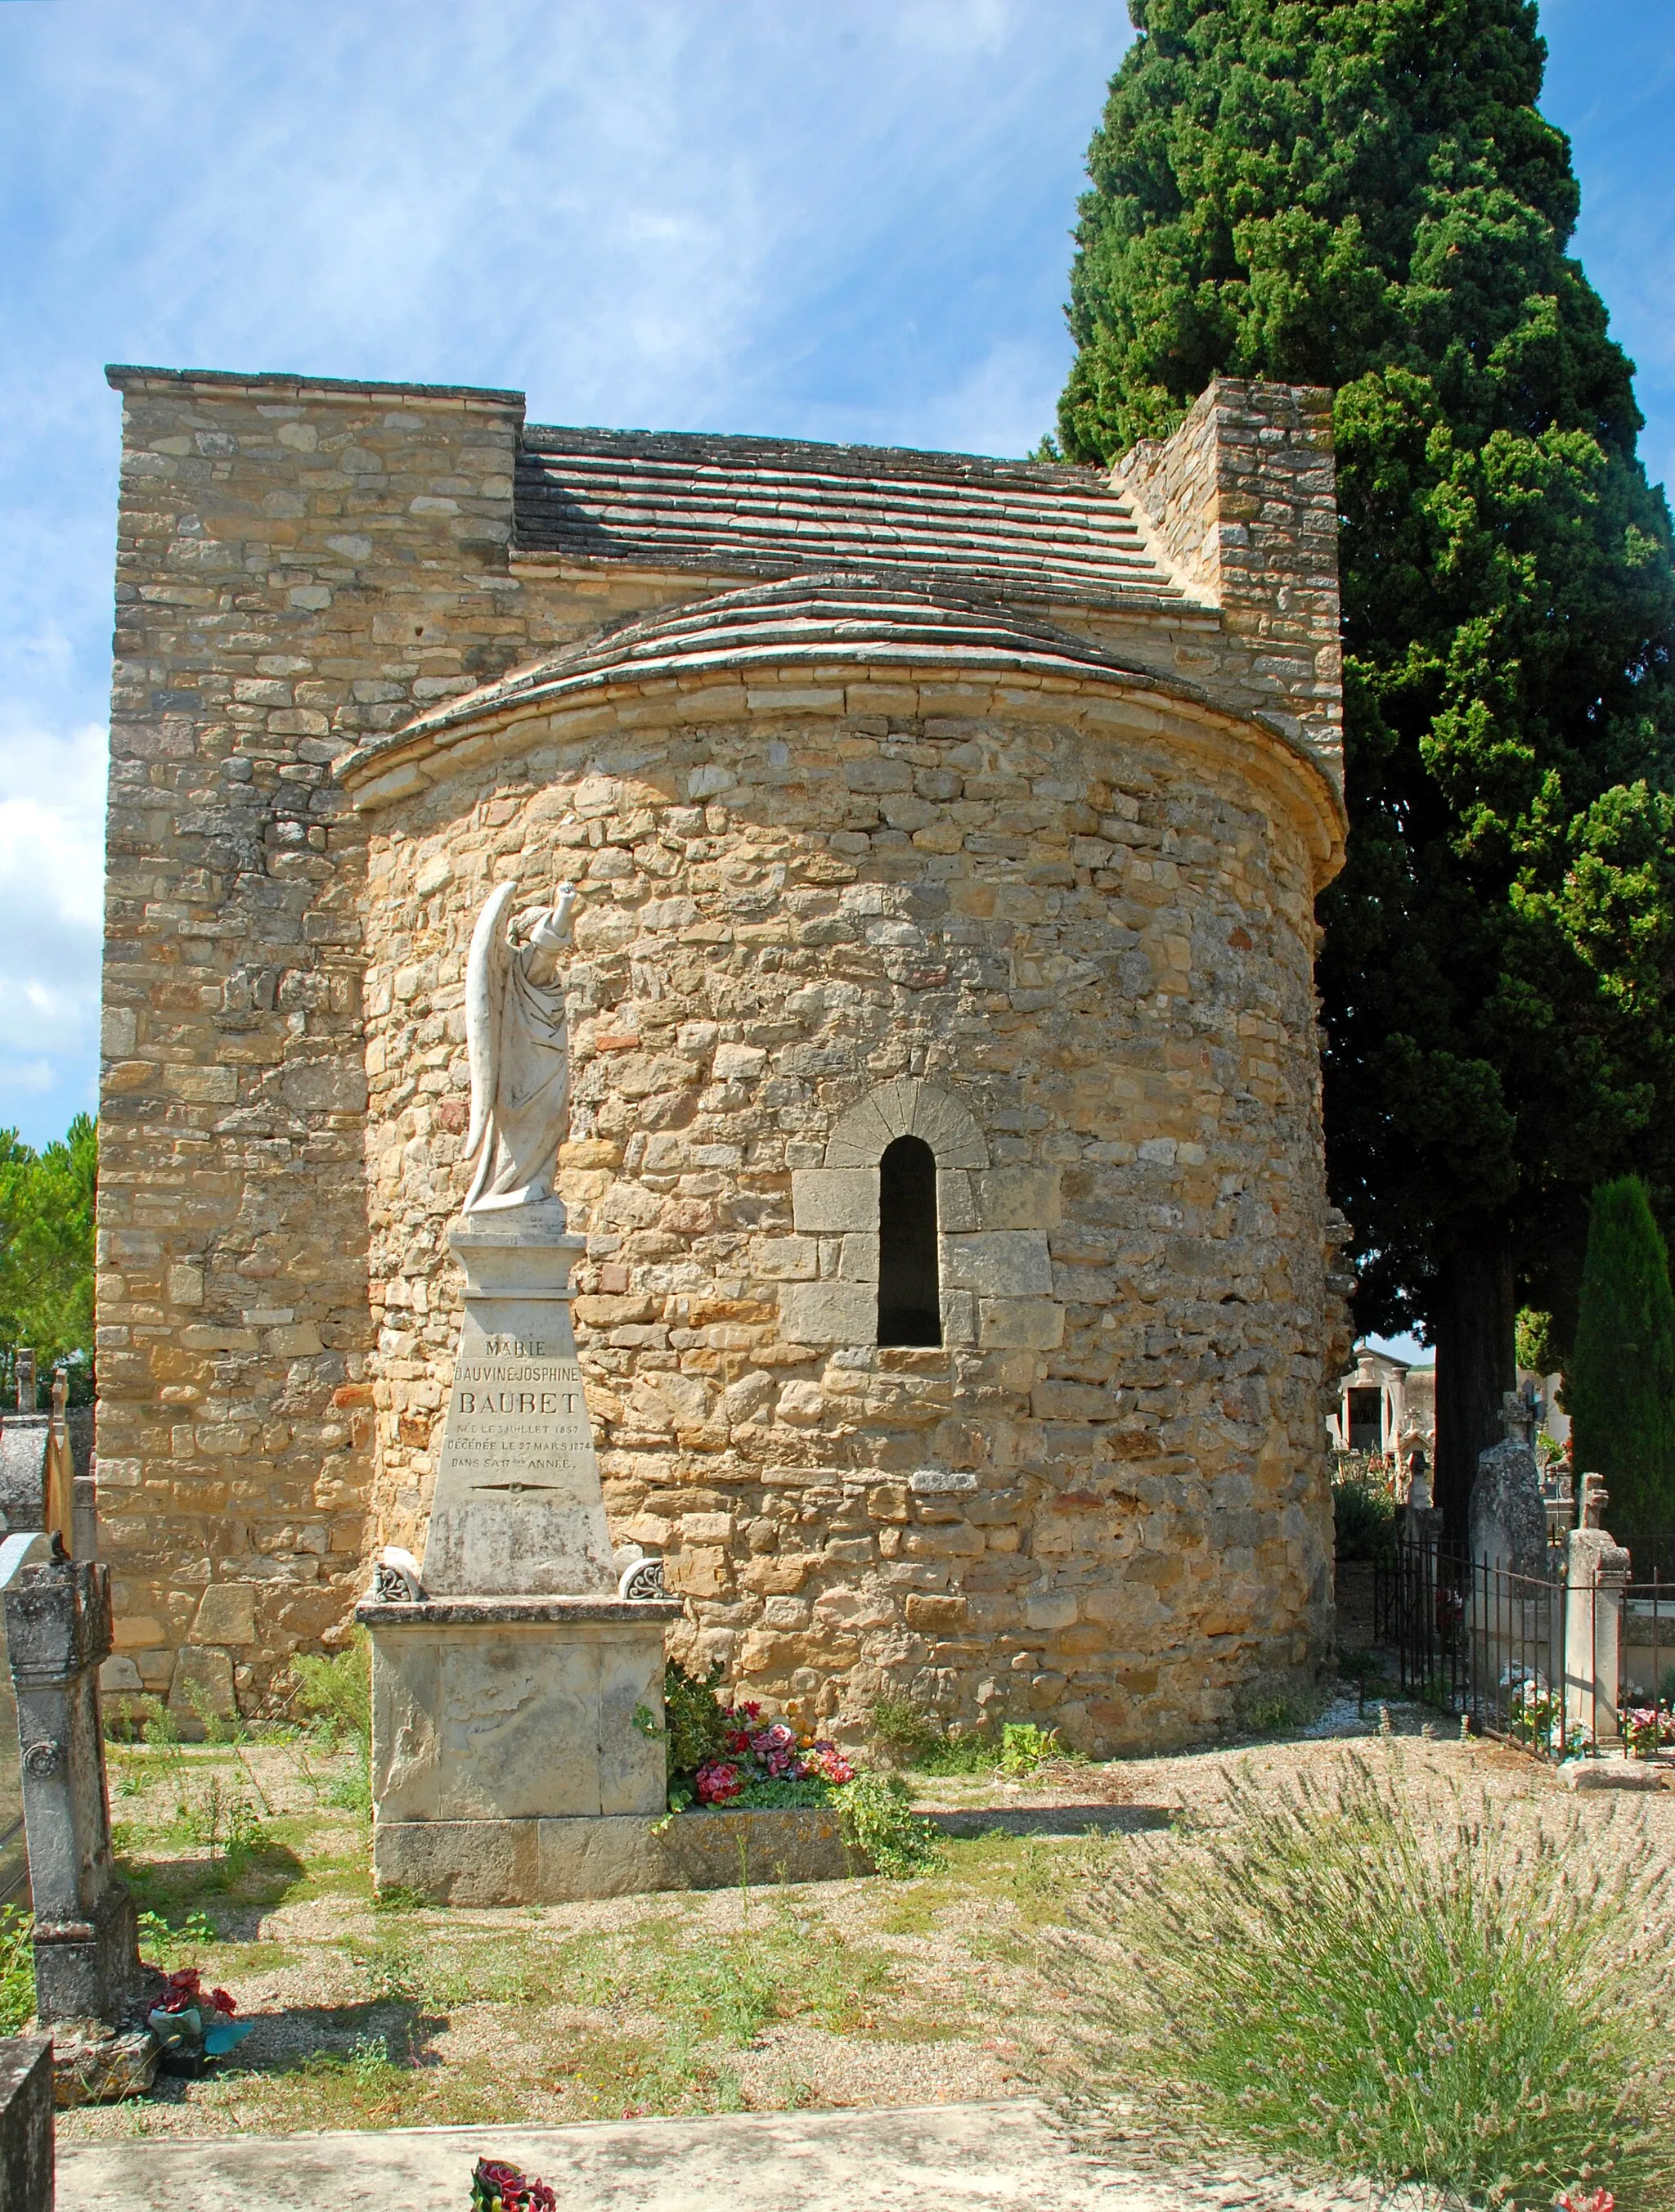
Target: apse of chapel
<point x="1064" y="936"/>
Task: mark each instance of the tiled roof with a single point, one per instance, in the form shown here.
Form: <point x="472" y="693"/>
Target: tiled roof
<point x="766" y="506"/>
<point x="842" y="620"/>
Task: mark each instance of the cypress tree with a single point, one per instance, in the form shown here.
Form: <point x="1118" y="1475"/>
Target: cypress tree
<point x="1620" y="1389"/>
<point x="1362" y="193"/>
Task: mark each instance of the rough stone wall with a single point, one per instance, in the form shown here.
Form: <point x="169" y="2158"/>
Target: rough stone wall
<point x="297" y="566"/>
<point x="1242" y="506"/>
<point x="1076" y="955"/>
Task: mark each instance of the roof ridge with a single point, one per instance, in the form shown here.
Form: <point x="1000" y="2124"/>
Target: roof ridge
<point x="650" y="444"/>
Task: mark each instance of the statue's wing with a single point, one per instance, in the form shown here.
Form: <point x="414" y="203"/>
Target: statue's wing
<point x="485" y="989"/>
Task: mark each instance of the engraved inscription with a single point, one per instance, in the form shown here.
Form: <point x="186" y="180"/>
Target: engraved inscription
<point x="514" y="1400"/>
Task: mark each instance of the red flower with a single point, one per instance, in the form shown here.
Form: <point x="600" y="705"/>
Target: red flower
<point x="222" y="2003"/>
<point x="495" y="2183"/>
<point x="185" y="1990"/>
<point x="719" y="1783"/>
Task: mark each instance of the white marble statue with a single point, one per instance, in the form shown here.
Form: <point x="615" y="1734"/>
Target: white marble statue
<point x="519" y="1046"/>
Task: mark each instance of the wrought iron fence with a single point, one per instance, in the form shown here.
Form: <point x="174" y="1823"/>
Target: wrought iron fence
<point x="1560" y="1670"/>
<point x="1475" y="1640"/>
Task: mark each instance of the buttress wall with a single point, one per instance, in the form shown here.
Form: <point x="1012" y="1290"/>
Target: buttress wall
<point x="297" y="566"/>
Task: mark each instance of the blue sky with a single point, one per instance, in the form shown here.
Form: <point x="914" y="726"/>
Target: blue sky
<point x="839" y="221"/>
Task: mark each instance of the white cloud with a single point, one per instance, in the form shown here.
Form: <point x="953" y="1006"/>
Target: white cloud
<point x="718" y="214"/>
<point x="845" y="222"/>
<point x="51" y="910"/>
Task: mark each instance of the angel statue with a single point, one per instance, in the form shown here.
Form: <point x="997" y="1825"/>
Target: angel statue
<point x="519" y="1047"/>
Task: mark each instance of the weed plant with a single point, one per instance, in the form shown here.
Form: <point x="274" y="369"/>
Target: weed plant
<point x="1364" y="1512"/>
<point x="1025" y="1749"/>
<point x="18" y="1969"/>
<point x="1468" y="2003"/>
<point x="169" y="1944"/>
<point x="878" y="1819"/>
<point x="335" y="1694"/>
<point x="961" y="1751"/>
<point x="907" y="1735"/>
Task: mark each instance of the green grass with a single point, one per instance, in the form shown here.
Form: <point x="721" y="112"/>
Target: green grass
<point x="1348" y="1986"/>
<point x="726" y="1985"/>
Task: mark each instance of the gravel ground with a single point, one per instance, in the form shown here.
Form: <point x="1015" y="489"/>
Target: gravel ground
<point x="866" y="1994"/>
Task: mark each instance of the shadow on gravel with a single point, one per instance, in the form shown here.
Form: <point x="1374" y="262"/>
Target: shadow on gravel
<point x="1052" y="1821"/>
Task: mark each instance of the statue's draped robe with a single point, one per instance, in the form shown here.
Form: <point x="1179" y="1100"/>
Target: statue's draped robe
<point x="533" y="1077"/>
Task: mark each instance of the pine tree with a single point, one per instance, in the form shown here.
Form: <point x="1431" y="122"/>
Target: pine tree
<point x="1620" y="1390"/>
<point x="47" y="1233"/>
<point x="1362" y="193"/>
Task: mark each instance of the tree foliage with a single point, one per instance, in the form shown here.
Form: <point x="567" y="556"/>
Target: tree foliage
<point x="46" y="1230"/>
<point x="1620" y="1391"/>
<point x="1362" y="193"/>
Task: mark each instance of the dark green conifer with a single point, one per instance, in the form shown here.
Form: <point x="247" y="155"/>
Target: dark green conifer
<point x="1362" y="193"/>
<point x="1620" y="1390"/>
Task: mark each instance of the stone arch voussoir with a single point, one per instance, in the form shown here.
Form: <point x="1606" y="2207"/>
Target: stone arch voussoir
<point x="907" y="1107"/>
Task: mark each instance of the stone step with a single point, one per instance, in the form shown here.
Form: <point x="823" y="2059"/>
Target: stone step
<point x="993" y="2157"/>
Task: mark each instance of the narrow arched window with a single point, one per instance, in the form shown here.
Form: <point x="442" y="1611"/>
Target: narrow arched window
<point x="909" y="1309"/>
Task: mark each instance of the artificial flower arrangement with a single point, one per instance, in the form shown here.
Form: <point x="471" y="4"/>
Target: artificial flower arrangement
<point x="191" y="2026"/>
<point x="1646" y="1728"/>
<point x="731" y="1756"/>
<point x="728" y="1757"/>
<point x="761" y="1757"/>
<point x="498" y="2187"/>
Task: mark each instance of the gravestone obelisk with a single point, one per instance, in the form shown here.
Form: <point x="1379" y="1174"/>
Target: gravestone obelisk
<point x="517" y="1698"/>
<point x="517" y="1505"/>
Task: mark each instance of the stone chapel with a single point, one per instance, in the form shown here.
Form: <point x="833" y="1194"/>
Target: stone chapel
<point x="959" y="1310"/>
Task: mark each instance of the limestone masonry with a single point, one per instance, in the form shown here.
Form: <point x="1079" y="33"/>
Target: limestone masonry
<point x="906" y="796"/>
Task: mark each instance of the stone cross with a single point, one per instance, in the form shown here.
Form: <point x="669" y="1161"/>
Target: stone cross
<point x="1517" y="1418"/>
<point x="58" y="1625"/>
<point x="1508" y="1512"/>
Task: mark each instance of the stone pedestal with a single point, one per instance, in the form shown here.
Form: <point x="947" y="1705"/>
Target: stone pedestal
<point x="496" y="1721"/>
<point x="515" y="1695"/>
<point x="1596" y="1575"/>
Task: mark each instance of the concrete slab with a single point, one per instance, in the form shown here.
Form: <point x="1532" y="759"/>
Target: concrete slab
<point x="1000" y="2157"/>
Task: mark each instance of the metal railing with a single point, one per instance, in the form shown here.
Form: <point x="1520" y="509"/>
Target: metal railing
<point x="1526" y="1658"/>
<point x="1474" y="1640"/>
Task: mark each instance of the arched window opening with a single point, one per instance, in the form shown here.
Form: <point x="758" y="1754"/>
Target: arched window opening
<point x="909" y="1308"/>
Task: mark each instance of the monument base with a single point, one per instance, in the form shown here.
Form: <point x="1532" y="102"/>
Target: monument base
<point x="555" y="1861"/>
<point x="496" y="1718"/>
